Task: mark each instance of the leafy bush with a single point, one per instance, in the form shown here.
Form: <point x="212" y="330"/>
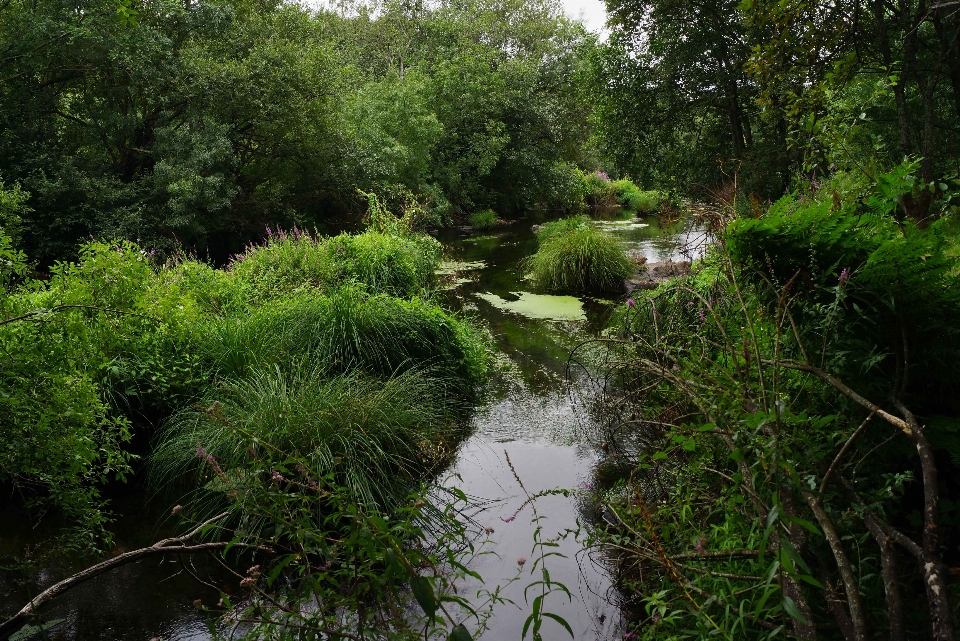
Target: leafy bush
<point x="61" y="438"/>
<point x="573" y="255"/>
<point x="863" y="280"/>
<point x="484" y="219"/>
<point x="599" y="190"/>
<point x="633" y="198"/>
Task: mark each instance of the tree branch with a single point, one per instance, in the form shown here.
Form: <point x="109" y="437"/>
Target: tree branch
<point x="176" y="545"/>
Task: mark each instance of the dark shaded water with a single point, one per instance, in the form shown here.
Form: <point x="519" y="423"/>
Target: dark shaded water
<point x="529" y="415"/>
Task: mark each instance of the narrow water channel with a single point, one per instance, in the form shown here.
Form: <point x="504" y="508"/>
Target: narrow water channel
<point x="528" y="415"/>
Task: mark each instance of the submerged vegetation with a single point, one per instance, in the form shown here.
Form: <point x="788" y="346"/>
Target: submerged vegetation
<point x="573" y="255"/>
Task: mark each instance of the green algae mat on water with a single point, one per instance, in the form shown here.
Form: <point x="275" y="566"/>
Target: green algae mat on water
<point x="539" y="306"/>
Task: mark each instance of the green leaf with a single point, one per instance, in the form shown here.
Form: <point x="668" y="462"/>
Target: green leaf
<point x="559" y="620"/>
<point x="812" y="581"/>
<point x="791" y="608"/>
<point x="460" y="633"/>
<point x="423" y="593"/>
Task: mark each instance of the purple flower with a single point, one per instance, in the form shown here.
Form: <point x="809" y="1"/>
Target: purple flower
<point x="521" y="561"/>
<point x="510" y="518"/>
<point x="277" y="477"/>
<point x="630" y="302"/>
<point x="587" y="486"/>
<point x="844" y="275"/>
<point x="656" y="618"/>
<point x="269" y="232"/>
<point x="699" y="545"/>
<point x="202" y="452"/>
<point x="631" y="635"/>
<point x="602" y="175"/>
<point x="702" y="315"/>
<point x="676" y="369"/>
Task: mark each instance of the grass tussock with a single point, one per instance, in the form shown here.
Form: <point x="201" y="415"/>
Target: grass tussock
<point x="396" y="264"/>
<point x="350" y="331"/>
<point x="573" y="255"/>
<point x="375" y="437"/>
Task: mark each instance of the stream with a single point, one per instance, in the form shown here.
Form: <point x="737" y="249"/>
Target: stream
<point x="529" y="415"/>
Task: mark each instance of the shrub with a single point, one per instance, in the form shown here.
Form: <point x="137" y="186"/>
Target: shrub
<point x="806" y="378"/>
<point x="864" y="281"/>
<point x="633" y="198"/>
<point x="599" y="190"/>
<point x="375" y="437"/>
<point x="484" y="219"/>
<point x="576" y="256"/>
<point x="111" y="344"/>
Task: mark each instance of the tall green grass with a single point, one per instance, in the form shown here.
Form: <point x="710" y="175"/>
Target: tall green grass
<point x="346" y="331"/>
<point x="573" y="255"/>
<point x="377" y="438"/>
<point x="397" y="264"/>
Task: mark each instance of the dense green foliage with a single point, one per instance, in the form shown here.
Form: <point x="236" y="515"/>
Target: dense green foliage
<point x="785" y="428"/>
<point x="202" y="122"/>
<point x="112" y="345"/>
<point x="768" y="95"/>
<point x="573" y="255"/>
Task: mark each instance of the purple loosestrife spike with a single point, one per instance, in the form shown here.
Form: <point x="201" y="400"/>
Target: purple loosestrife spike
<point x="844" y="275"/>
<point x="510" y="518"/>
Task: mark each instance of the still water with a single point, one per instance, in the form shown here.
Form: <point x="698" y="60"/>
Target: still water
<point x="531" y="415"/>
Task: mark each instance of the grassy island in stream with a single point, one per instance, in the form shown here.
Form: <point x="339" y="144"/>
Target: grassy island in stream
<point x="573" y="255"/>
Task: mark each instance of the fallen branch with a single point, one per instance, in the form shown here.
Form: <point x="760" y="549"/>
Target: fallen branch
<point x="176" y="545"/>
